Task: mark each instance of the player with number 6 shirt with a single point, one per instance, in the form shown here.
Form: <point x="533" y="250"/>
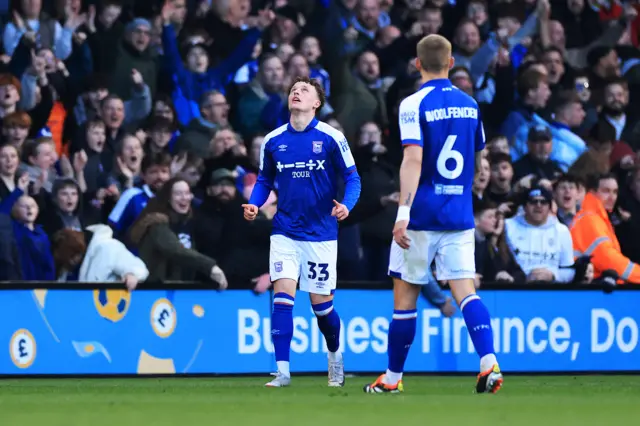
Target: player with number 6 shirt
<point x="443" y="139"/>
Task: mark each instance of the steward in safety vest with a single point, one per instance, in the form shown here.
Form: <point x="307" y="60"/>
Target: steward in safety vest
<point x="593" y="234"/>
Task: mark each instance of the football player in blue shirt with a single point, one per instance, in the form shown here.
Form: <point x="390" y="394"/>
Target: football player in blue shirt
<point x="443" y="139"/>
<point x="303" y="160"/>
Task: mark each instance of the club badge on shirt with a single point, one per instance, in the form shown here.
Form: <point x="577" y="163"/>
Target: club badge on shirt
<point x="317" y="147"/>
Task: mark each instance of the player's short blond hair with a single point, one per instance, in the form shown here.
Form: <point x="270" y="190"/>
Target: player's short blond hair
<point x="434" y="53"/>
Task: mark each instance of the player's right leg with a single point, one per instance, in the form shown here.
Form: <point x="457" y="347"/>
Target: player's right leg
<point x="284" y="268"/>
<point x="455" y="264"/>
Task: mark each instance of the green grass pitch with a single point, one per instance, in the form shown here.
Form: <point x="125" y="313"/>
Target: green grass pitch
<point x="441" y="401"/>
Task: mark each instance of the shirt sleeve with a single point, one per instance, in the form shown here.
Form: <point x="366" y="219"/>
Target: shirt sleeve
<point x="120" y="217"/>
<point x="341" y="155"/>
<point x="409" y="121"/>
<point x="266" y="177"/>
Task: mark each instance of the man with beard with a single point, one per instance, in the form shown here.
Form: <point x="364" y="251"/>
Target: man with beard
<point x="155" y="172"/>
<point x="614" y="124"/>
<point x="230" y="239"/>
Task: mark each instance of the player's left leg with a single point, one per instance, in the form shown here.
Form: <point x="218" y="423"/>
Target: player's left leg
<point x="329" y="325"/>
<point x="455" y="264"/>
<point x="318" y="278"/>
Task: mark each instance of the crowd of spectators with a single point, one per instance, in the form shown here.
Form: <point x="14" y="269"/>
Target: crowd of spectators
<point x="131" y="132"/>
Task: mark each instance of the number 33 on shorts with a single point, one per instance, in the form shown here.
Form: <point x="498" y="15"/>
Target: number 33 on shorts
<point x="311" y="263"/>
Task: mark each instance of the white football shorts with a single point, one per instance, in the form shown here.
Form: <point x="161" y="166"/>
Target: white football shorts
<point x="454" y="252"/>
<point x="310" y="263"/>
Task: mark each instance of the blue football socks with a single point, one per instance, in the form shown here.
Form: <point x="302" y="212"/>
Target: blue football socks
<point x="401" y="334"/>
<point x="478" y="321"/>
<point x="282" y="330"/>
<point x="329" y="325"/>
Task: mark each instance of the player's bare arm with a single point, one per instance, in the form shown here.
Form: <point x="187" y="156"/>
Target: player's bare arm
<point x="409" y="178"/>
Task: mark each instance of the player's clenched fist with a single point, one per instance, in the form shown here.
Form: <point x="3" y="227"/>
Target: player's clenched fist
<point x="400" y="234"/>
<point x="340" y="211"/>
<point x="250" y="211"/>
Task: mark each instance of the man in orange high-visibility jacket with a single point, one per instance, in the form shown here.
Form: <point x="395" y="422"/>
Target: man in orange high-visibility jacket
<point x="593" y="234"/>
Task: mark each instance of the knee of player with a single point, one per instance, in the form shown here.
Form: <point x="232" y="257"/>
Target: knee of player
<point x="405" y="295"/>
<point x="322" y="305"/>
<point x="461" y="289"/>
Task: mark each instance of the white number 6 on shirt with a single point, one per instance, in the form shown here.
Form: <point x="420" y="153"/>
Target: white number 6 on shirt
<point x="449" y="153"/>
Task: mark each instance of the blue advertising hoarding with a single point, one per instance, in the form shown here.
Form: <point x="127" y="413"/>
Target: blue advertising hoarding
<point x="203" y="331"/>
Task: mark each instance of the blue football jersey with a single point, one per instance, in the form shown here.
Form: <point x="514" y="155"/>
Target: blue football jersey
<point x="446" y="123"/>
<point x="305" y="167"/>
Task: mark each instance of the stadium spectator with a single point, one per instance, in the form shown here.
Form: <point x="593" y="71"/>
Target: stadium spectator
<point x="214" y="113"/>
<point x="565" y="195"/>
<point x="29" y="17"/>
<point x="15" y="128"/>
<point x="615" y="123"/>
<point x="9" y="163"/>
<point x="593" y="234"/>
<point x="500" y="182"/>
<point x="33" y="245"/>
<point x="537" y="159"/>
<point x="164" y="235"/>
<point x="155" y="171"/>
<point x="96" y="256"/>
<point x="134" y="57"/>
<point x="629" y="205"/>
<point x="39" y="160"/>
<point x="541" y="245"/>
<point x="239" y="240"/>
<point x="481" y="181"/>
<point x="268" y="85"/>
<point x="494" y="260"/>
<point x="198" y="76"/>
<point x="533" y="92"/>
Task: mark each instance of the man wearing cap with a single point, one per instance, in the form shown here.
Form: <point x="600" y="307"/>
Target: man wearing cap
<point x="134" y="54"/>
<point x="593" y="234"/>
<point x="541" y="245"/>
<point x="230" y="238"/>
<point x="537" y="160"/>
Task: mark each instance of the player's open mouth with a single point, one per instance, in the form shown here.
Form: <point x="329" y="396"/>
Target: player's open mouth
<point x="295" y="99"/>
